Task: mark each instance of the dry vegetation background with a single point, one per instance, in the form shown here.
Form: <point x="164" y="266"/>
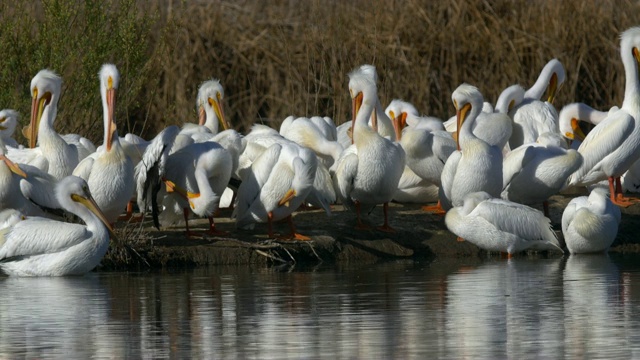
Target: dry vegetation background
<point x="285" y="57"/>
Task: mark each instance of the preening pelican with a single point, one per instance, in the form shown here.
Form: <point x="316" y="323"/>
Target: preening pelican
<point x="499" y="225"/>
<point x="305" y="132"/>
<point x="8" y="122"/>
<point x="43" y="247"/>
<point x="109" y="171"/>
<point x="195" y="178"/>
<point x="426" y="144"/>
<point x="590" y="223"/>
<point x="276" y="184"/>
<point x="550" y="80"/>
<point x="53" y="154"/>
<point x="368" y="172"/>
<point x="614" y="144"/>
<point x="476" y="165"/>
<point x="534" y="172"/>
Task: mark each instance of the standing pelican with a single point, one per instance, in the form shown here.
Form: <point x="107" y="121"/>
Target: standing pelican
<point x="210" y="115"/>
<point x="109" y="171"/>
<point x="499" y="225"/>
<point x="590" y="223"/>
<point x="476" y="165"/>
<point x="614" y="144"/>
<point x="277" y="183"/>
<point x="43" y="247"/>
<point x="369" y="171"/>
<point x="53" y="154"/>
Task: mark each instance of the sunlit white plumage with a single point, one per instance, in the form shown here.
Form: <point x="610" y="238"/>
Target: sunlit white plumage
<point x="53" y="154"/>
<point x="476" y="166"/>
<point x="276" y="184"/>
<point x="368" y="172"/>
<point x="43" y="247"/>
<point x="534" y="172"/>
<point x="500" y="225"/>
<point x="306" y="132"/>
<point x="109" y="171"/>
<point x="590" y="223"/>
<point x="614" y="144"/>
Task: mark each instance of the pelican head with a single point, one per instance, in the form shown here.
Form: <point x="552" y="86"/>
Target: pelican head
<point x="45" y="91"/>
<point x="467" y="100"/>
<point x="362" y="88"/>
<point x="209" y="104"/>
<point x="630" y="45"/>
<point x="399" y="112"/>
<point x="557" y="78"/>
<point x="73" y="193"/>
<point x="509" y="98"/>
<point x="8" y="122"/>
<point x="569" y="121"/>
<point x="109" y="80"/>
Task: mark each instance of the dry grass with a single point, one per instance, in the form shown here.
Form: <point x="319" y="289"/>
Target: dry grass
<point x="277" y="58"/>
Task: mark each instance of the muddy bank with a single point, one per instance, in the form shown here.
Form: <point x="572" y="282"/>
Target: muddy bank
<point x="418" y="235"/>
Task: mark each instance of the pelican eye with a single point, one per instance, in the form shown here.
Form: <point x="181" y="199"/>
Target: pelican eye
<point x="455" y="103"/>
<point x="211" y="101"/>
<point x="219" y="96"/>
<point x="391" y="115"/>
<point x="110" y="83"/>
<point x="35" y="92"/>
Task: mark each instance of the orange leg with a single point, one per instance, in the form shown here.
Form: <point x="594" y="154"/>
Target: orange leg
<point x="615" y="192"/>
<point x="294" y="235"/>
<point x="385" y="226"/>
<point x="270" y="225"/>
<point x="435" y="209"/>
<point x="128" y="216"/>
<point x="189" y="233"/>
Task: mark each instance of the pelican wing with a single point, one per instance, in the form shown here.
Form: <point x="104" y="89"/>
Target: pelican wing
<point x="83" y="169"/>
<point x="39" y="187"/>
<point x="83" y="145"/>
<point x="443" y="145"/>
<point x="255" y="179"/>
<point x="515" y="161"/>
<point x="38" y="235"/>
<point x="447" y="176"/>
<point x="33" y="157"/>
<point x="517" y="219"/>
<point x="149" y="171"/>
<point x="604" y="139"/>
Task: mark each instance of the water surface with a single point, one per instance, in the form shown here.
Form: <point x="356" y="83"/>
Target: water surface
<point x="574" y="307"/>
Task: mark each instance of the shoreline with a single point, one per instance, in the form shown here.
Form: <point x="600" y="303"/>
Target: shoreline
<point x="418" y="236"/>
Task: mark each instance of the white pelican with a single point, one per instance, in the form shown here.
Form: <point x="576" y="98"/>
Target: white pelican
<point x="306" y="132"/>
<point x="499" y="225"/>
<point x="194" y="176"/>
<point x="210" y="115"/>
<point x="493" y="126"/>
<point x="276" y="184"/>
<point x="368" y="172"/>
<point x="476" y="166"/>
<point x="381" y="124"/>
<point x="8" y="122"/>
<point x="614" y="144"/>
<point x="43" y="247"/>
<point x="550" y="80"/>
<point x="53" y="154"/>
<point x="425" y="142"/>
<point x="109" y="171"/>
<point x="590" y="223"/>
<point x="534" y="172"/>
<point x="261" y="138"/>
<point x="414" y="189"/>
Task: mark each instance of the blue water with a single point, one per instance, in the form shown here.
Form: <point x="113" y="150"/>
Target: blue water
<point x="575" y="307"/>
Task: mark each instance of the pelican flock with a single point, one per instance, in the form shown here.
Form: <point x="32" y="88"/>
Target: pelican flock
<point x="488" y="168"/>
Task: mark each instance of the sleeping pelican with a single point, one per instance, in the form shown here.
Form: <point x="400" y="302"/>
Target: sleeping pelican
<point x="476" y="165"/>
<point x="590" y="223"/>
<point x="499" y="225"/>
<point x="534" y="172"/>
<point x="277" y="183"/>
<point x="53" y="154"/>
<point x="43" y="247"/>
<point x="368" y="172"/>
<point x="109" y="171"/>
<point x="614" y="144"/>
